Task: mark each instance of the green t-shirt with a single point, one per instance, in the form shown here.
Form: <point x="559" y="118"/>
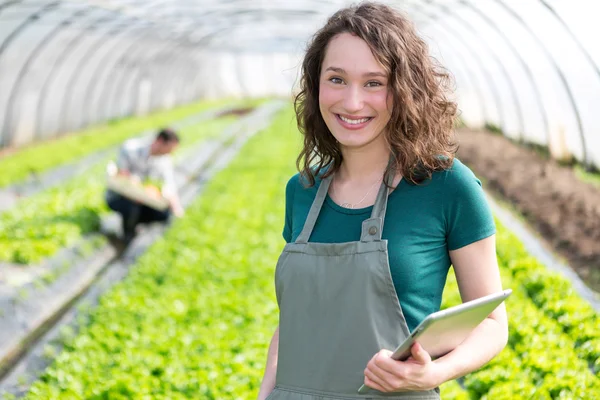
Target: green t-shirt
<point x="423" y="222"/>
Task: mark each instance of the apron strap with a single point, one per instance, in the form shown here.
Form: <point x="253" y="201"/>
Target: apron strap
<point x="315" y="209"/>
<point x="372" y="228"/>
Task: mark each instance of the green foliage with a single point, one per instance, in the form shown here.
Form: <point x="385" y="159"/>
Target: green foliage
<point x="592" y="177"/>
<point x="493" y="128"/>
<point x="516" y="389"/>
<point x="452" y="390"/>
<point x="42" y="224"/>
<point x="42" y="156"/>
<point x="553" y="334"/>
<point x="553" y="295"/>
<point x="194" y="318"/>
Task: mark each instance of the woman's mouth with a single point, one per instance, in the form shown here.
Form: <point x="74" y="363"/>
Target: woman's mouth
<point x="352" y="122"/>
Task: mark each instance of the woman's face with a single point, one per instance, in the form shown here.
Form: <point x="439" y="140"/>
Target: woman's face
<point x="354" y="98"/>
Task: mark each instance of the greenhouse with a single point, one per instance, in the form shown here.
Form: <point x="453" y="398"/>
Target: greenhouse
<point x="153" y="153"/>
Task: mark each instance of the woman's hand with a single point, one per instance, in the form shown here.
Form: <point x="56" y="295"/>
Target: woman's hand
<point x="418" y="373"/>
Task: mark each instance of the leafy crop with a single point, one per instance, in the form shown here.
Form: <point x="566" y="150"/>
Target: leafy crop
<point x="41" y="225"/>
<point x="553" y="334"/>
<point x="194" y="318"/>
<point x="194" y="315"/>
<point x="42" y="156"/>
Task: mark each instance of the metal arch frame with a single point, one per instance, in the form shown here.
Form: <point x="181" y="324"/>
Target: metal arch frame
<point x="172" y="76"/>
<point x="9" y="3"/>
<point x="468" y="76"/>
<point x="492" y="84"/>
<point x="199" y="42"/>
<point x="561" y="75"/>
<point x="513" y="90"/>
<point x="172" y="72"/>
<point x="123" y="75"/>
<point x="197" y="82"/>
<point x="5" y="137"/>
<point x="129" y="105"/>
<point x="189" y="80"/>
<point x="65" y="54"/>
<point x="201" y="86"/>
<point x="114" y="62"/>
<point x="463" y="72"/>
<point x="14" y="92"/>
<point x="226" y="13"/>
<point x="588" y="165"/>
<point x="102" y="70"/>
<point x="179" y="6"/>
<point x="459" y="38"/>
<point x="196" y="45"/>
<point x="111" y="92"/>
<point x="68" y="95"/>
<point x="274" y="30"/>
<point x="33" y="17"/>
<point x="583" y="50"/>
<point x="492" y="24"/>
<point x="240" y="76"/>
<point x="188" y="66"/>
<point x="128" y="76"/>
<point x="202" y="44"/>
<point x="186" y="72"/>
<point x="101" y="67"/>
<point x="67" y="99"/>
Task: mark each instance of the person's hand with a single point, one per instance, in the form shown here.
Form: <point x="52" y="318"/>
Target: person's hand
<point x="132" y="178"/>
<point x="153" y="191"/>
<point x="178" y="211"/>
<point x="122" y="172"/>
<point x="418" y="373"/>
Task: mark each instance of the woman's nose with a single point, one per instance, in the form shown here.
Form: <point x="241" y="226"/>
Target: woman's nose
<point x="353" y="100"/>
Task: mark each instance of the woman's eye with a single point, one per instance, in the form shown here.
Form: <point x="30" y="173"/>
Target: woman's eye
<point x="373" y="84"/>
<point x="335" y="80"/>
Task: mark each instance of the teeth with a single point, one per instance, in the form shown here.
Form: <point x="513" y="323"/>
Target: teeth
<point x="354" y="121"/>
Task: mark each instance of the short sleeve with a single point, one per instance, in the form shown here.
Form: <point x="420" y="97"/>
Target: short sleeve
<point x="290" y="189"/>
<point x="123" y="162"/>
<point x="468" y="214"/>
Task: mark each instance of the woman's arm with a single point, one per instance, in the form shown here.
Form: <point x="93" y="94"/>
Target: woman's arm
<point x="268" y="382"/>
<point x="477" y="274"/>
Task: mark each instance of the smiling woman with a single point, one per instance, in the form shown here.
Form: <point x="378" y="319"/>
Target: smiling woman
<point x="375" y="67"/>
<point x="353" y="282"/>
<point x="354" y="99"/>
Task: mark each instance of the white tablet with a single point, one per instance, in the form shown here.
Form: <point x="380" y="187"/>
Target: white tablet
<point x="440" y="332"/>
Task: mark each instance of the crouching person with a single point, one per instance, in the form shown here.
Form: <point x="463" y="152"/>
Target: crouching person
<point x="146" y="162"/>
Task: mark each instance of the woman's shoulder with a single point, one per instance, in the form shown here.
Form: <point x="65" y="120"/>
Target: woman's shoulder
<point x="298" y="184"/>
<point x="298" y="180"/>
<point x="301" y="181"/>
<point x="459" y="185"/>
<point x="457" y="174"/>
<point x="294" y="180"/>
<point x="454" y="181"/>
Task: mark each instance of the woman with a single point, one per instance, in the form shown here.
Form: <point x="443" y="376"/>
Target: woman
<point x="379" y="212"/>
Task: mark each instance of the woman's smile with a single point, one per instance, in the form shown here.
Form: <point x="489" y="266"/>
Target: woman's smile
<point x="353" y="122"/>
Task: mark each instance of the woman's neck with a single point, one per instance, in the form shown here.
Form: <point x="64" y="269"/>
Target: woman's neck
<point x="363" y="165"/>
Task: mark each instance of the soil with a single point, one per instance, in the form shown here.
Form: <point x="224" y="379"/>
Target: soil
<point x="561" y="207"/>
<point x="240" y="112"/>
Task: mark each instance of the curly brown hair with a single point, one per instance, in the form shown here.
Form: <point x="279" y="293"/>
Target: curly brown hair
<point x="420" y="131"/>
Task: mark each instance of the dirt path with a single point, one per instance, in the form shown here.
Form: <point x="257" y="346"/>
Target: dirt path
<point x="565" y="210"/>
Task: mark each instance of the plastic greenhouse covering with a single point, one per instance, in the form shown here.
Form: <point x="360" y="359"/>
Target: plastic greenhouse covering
<point x="530" y="68"/>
